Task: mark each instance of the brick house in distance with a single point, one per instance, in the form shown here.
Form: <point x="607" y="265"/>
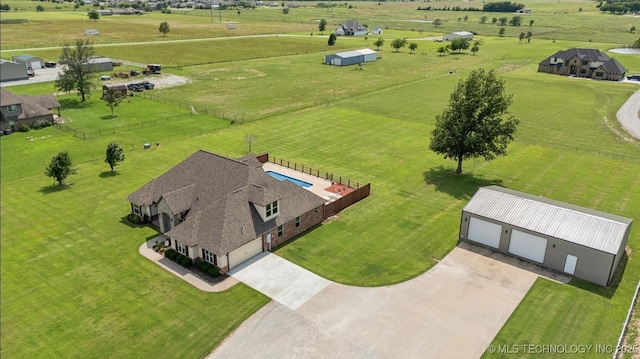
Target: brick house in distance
<point x="225" y="211"/>
<point x="588" y="63"/>
<point x="25" y="110"/>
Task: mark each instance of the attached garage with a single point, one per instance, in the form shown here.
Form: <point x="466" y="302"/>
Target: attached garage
<point x="579" y="241"/>
<point x="351" y="57"/>
<point x="245" y="252"/>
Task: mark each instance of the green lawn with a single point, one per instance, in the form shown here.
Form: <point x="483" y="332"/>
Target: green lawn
<point x="74" y="284"/>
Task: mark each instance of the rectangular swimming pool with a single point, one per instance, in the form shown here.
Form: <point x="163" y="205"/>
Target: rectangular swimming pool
<point x="281" y="177"/>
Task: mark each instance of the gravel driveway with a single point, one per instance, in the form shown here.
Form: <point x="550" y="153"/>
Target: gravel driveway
<point x="50" y="75"/>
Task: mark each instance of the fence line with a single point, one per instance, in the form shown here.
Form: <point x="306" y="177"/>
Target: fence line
<point x="231" y="117"/>
<point x="130" y="63"/>
<point x="333" y="207"/>
<point x="617" y="352"/>
<point x="314" y="172"/>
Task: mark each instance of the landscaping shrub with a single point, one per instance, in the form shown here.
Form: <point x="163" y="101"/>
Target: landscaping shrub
<point x="24" y="128"/>
<point x="185" y="262"/>
<point x="41" y="124"/>
<point x="134" y="219"/>
<point x="208" y="268"/>
<point x="170" y="253"/>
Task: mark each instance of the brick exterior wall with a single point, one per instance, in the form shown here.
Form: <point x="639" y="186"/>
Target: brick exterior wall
<point x="307" y="220"/>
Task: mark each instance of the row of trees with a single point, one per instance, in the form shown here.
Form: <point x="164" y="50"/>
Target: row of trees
<point x="459" y="45"/>
<point x="619" y="7"/>
<point x="502" y="6"/>
<point x="61" y="166"/>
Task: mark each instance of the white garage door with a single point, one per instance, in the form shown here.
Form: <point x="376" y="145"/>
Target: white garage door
<point x="36" y="65"/>
<point x="528" y="246"/>
<point x="245" y="252"/>
<point x="484" y="232"/>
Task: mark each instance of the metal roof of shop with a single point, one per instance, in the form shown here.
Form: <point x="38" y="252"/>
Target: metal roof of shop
<point x="594" y="229"/>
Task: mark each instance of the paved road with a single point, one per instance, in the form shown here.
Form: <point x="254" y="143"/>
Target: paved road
<point x="452" y="311"/>
<point x="628" y="115"/>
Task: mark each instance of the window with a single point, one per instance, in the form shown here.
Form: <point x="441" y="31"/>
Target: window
<point x="566" y="63"/>
<point x="12" y="108"/>
<point x="583" y="71"/>
<point x="181" y="248"/>
<point x="208" y="256"/>
<point x="297" y="221"/>
<point x="136" y="209"/>
<point x="599" y="74"/>
<point x="584" y="62"/>
<point x="280" y="231"/>
<point x="272" y="209"/>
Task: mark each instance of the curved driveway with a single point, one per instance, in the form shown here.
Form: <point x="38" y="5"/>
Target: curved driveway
<point x="628" y="115"/>
<point x="453" y="310"/>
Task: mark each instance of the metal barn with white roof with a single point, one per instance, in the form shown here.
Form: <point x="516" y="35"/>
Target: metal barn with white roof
<point x="582" y="242"/>
<point x="458" y="35"/>
<point x="350" y="57"/>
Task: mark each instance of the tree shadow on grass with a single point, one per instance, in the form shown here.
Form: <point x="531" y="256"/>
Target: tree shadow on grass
<point x="108" y="117"/>
<point x="54" y="188"/>
<point x="73" y="103"/>
<point x="107" y="174"/>
<point x="459" y="186"/>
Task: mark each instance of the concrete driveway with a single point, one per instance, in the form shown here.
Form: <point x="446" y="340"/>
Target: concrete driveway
<point x="628" y="115"/>
<point x="452" y="311"/>
<point x="279" y="279"/>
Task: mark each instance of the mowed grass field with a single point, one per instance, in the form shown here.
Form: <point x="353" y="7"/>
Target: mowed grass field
<point x="74" y="284"/>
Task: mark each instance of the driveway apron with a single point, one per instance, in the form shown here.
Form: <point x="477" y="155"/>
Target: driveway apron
<point x="453" y="310"/>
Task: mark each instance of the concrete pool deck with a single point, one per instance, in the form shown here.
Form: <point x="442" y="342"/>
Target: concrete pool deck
<point x="319" y="184"/>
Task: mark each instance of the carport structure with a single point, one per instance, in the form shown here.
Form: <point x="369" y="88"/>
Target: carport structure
<point x="586" y="243"/>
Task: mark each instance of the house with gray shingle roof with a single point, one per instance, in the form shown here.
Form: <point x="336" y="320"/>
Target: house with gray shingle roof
<point x="351" y="28"/>
<point x="224" y="211"/>
<point x="25" y="110"/>
<point x="590" y="63"/>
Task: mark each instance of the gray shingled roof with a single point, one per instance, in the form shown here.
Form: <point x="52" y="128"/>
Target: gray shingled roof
<point x="584" y="226"/>
<point x="610" y="64"/>
<point x="218" y="193"/>
<point x="8" y="98"/>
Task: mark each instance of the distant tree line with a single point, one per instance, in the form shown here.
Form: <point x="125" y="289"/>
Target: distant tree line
<point x="449" y="8"/>
<point x="619" y="7"/>
<point x="502" y="6"/>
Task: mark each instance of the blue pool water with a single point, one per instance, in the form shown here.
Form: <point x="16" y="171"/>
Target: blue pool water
<point x="281" y="177"/>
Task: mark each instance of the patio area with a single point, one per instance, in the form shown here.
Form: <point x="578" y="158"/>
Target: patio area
<point x="326" y="189"/>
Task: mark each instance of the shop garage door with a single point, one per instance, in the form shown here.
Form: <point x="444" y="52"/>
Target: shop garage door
<point x="35" y="65"/>
<point x="527" y="246"/>
<point x="245" y="252"/>
<point x="484" y="232"/>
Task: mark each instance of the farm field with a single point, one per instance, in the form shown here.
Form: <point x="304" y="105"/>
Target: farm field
<point x="74" y="282"/>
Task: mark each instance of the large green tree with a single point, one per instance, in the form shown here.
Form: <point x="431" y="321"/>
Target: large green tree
<point x="113" y="98"/>
<point x="332" y="39"/>
<point x="459" y="44"/>
<point x="164" y="28"/>
<point x="322" y="25"/>
<point x="397" y="44"/>
<point x="77" y="74"/>
<point x="477" y="122"/>
<point x="114" y="155"/>
<point x="378" y="43"/>
<point x="60" y="167"/>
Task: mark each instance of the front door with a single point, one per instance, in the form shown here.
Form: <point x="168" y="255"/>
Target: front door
<point x="570" y="264"/>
